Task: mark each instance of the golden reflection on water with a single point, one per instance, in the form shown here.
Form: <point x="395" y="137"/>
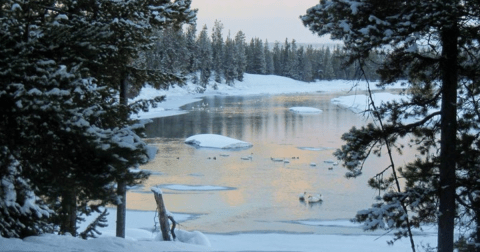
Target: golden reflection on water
<point x="234" y="198"/>
<point x="261" y="194"/>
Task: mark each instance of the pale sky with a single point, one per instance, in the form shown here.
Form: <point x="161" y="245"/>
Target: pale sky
<point x="274" y="20"/>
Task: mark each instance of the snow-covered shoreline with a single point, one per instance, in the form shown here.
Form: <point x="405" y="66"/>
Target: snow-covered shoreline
<point x="141" y="223"/>
<point x="177" y="97"/>
<point x="139" y="237"/>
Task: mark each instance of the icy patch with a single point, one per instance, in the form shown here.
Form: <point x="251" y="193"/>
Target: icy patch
<point x="305" y="110"/>
<point x="315" y="148"/>
<point x="333" y="223"/>
<point x="216" y="141"/>
<point x="196" y="188"/>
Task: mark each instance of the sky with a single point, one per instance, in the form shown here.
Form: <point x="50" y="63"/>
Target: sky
<point x="272" y="20"/>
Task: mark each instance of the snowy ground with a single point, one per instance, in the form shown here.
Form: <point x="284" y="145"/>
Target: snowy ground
<point x="140" y="225"/>
<point x="140" y="237"/>
<point x="254" y="85"/>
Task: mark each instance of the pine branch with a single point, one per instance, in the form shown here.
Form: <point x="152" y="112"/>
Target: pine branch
<point x="91" y="230"/>
<point x="392" y="163"/>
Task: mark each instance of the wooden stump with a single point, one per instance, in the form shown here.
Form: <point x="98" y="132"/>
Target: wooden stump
<point x="162" y="214"/>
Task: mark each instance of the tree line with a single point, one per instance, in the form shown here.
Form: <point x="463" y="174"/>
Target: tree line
<point x="206" y="56"/>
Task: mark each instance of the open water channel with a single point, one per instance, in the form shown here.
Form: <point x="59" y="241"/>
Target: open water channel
<point x="227" y="194"/>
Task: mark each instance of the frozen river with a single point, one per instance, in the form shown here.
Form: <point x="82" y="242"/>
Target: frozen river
<point x="228" y="194"/>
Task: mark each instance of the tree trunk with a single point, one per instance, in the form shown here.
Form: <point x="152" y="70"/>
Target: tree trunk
<point x="69" y="213"/>
<point x="477" y="236"/>
<point x="121" y="209"/>
<point x="121" y="185"/>
<point x="449" y="67"/>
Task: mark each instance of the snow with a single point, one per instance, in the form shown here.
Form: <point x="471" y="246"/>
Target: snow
<point x="251" y="85"/>
<point x="140" y="237"/>
<point x="216" y="141"/>
<point x="16" y="7"/>
<point x="156" y="190"/>
<point x="305" y="110"/>
<point x="140" y="224"/>
<point x="359" y="103"/>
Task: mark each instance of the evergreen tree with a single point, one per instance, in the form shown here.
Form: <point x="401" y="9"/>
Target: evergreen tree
<point x="230" y="61"/>
<point x="193" y="63"/>
<point x="328" y="72"/>
<point x="259" y="64"/>
<point x="277" y="58"/>
<point x="287" y="64"/>
<point x="434" y="48"/>
<point x="69" y="137"/>
<point x="241" y="55"/>
<point x="205" y="57"/>
<point x="269" y="67"/>
<point x="307" y="65"/>
<point x="250" y="52"/>
<point x="217" y="50"/>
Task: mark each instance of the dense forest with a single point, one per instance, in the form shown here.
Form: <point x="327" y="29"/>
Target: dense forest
<point x="207" y="55"/>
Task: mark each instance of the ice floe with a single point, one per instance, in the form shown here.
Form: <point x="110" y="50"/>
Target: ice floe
<point x="216" y="141"/>
<point x="305" y="110"/>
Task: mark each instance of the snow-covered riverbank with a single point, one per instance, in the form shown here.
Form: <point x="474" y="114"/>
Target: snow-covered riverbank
<point x="252" y="85"/>
<point x="141" y="223"/>
<point x="141" y="238"/>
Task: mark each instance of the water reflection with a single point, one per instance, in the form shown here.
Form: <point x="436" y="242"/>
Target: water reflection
<point x="266" y="194"/>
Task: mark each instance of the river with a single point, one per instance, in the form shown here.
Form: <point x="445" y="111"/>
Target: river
<point x="227" y="194"/>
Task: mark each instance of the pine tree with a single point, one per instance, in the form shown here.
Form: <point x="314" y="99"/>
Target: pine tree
<point x="250" y="52"/>
<point x="217" y="51"/>
<point x="287" y="64"/>
<point x="70" y="139"/>
<point x="259" y="64"/>
<point x="193" y="62"/>
<point x="307" y="65"/>
<point x="230" y="61"/>
<point x="277" y="58"/>
<point x="328" y="72"/>
<point x="269" y="67"/>
<point x="434" y="48"/>
<point x="205" y="57"/>
<point x="241" y="55"/>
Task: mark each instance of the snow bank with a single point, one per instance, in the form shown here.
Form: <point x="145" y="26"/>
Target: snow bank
<point x="216" y="141"/>
<point x="305" y="110"/>
<point x="57" y="243"/>
<point x="252" y="84"/>
<point x="194" y="237"/>
<point x="359" y="103"/>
